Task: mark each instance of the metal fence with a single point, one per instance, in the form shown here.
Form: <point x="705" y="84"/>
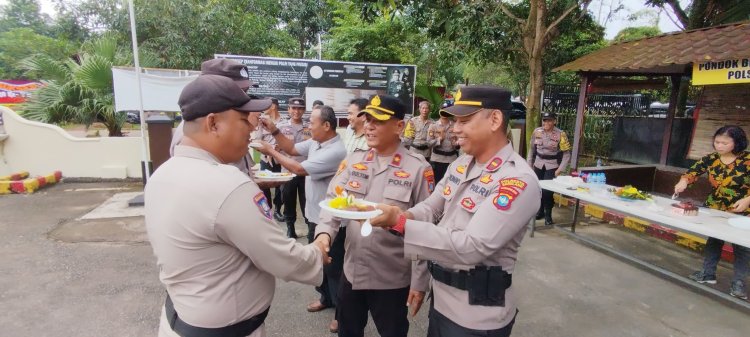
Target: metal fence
<point x="600" y="114"/>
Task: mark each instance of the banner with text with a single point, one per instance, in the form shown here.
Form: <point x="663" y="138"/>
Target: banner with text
<point x="16" y="91"/>
<point x="721" y="72"/>
<point x="332" y="82"/>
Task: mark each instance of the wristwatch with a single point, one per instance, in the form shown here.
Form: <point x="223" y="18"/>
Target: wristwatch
<point x="275" y="132"/>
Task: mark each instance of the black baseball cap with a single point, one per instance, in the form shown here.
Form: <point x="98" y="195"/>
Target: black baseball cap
<point x="470" y="99"/>
<point x="213" y="93"/>
<point x="384" y="107"/>
<point x="549" y="115"/>
<point x="297" y="102"/>
<point x="228" y="68"/>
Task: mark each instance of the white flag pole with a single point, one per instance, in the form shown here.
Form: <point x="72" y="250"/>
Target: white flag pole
<point x="144" y="147"/>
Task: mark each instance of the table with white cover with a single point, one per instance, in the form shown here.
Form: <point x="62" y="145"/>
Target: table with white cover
<point x="708" y="222"/>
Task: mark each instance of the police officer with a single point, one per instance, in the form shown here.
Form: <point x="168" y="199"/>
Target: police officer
<point x="416" y="135"/>
<point x="217" y="248"/>
<point x="481" y="207"/>
<point x="376" y="276"/>
<point x="442" y="142"/>
<point x="549" y="153"/>
<point x="298" y="131"/>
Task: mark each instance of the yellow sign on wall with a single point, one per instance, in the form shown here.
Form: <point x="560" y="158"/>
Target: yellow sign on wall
<point x="721" y="72"/>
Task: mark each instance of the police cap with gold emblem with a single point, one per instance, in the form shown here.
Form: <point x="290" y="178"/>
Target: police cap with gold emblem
<point x="470" y="99"/>
<point x="384" y="107"/>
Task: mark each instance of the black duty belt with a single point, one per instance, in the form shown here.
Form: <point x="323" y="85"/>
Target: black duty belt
<point x="240" y="329"/>
<point x="548" y="156"/>
<point x="420" y="147"/>
<point x="486" y="285"/>
<point x="445" y="153"/>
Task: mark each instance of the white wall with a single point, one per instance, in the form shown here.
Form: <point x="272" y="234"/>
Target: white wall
<point x="42" y="148"/>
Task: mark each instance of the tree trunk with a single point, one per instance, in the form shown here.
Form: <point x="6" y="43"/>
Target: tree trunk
<point x="533" y="101"/>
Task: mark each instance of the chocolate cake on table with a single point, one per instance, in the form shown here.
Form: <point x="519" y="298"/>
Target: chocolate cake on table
<point x="685" y="208"/>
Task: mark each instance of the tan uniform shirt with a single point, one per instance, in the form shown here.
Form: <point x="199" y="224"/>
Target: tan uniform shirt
<point x="420" y="136"/>
<point x="297" y="133"/>
<point x="446" y="145"/>
<point x="377" y="261"/>
<point x="483" y="211"/>
<point x="548" y="144"/>
<point x="216" y="244"/>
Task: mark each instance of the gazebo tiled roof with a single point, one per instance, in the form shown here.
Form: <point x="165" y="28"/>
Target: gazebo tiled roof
<point x="668" y="53"/>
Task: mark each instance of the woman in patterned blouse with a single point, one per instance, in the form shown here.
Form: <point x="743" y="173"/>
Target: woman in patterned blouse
<point x="728" y="171"/>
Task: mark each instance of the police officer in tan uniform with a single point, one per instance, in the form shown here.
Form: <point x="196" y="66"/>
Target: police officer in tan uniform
<point x="417" y="134"/>
<point x="549" y="154"/>
<point x="376" y="276"/>
<point x="481" y="207"/>
<point x="298" y="131"/>
<point x="217" y="248"/>
<point x="442" y="142"/>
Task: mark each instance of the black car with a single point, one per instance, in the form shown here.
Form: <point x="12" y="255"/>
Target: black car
<point x="519" y="110"/>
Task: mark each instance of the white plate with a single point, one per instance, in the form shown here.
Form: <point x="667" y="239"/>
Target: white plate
<point x="255" y="145"/>
<point x="741" y="222"/>
<point x="351" y="215"/>
<point x="273" y="176"/>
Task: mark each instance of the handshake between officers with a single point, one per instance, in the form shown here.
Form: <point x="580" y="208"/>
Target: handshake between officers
<point x="482" y="207"/>
<point x="211" y="228"/>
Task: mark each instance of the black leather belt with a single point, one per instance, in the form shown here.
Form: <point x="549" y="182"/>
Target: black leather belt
<point x="455" y="279"/>
<point x="485" y="285"/>
<point x="420" y="147"/>
<point x="240" y="329"/>
<point x="445" y="153"/>
<point x="548" y="156"/>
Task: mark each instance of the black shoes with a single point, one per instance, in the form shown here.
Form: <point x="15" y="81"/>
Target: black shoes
<point x="548" y="219"/>
<point x="290" y="233"/>
<point x="278" y="216"/>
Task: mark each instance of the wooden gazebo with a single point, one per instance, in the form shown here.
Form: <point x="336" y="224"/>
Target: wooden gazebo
<point x="670" y="55"/>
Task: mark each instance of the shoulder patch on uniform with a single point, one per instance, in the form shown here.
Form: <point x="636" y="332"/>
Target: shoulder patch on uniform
<point x="262" y="203"/>
<point x="342" y="167"/>
<point x="429" y="177"/>
<point x="494" y="164"/>
<point x="564" y="142"/>
<point x="401" y="174"/>
<point x="514" y="182"/>
<point x="509" y="190"/>
<point x="359" y="167"/>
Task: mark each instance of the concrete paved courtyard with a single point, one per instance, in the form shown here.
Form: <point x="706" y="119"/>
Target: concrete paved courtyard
<point x="61" y="275"/>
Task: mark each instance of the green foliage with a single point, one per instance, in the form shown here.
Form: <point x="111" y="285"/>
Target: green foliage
<point x="636" y="33"/>
<point x="79" y="92"/>
<point x="18" y="43"/>
<point x="304" y="19"/>
<point x="23" y="14"/>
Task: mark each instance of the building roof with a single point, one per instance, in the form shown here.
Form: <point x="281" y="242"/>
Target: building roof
<point x="669" y="53"/>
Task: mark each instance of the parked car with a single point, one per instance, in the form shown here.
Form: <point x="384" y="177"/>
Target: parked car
<point x="131" y="116"/>
<point x="519" y="110"/>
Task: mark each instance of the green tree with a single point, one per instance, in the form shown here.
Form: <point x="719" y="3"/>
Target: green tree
<point x="636" y="33"/>
<point x="23" y="14"/>
<point x="80" y="90"/>
<point x="304" y="20"/>
<point x="18" y="43"/>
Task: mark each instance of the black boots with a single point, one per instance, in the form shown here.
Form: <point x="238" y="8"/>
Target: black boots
<point x="290" y="230"/>
<point x="540" y="214"/>
<point x="548" y="217"/>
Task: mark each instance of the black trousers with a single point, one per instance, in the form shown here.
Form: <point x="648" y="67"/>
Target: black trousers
<point x="547" y="199"/>
<point x="332" y="272"/>
<point x="277" y="199"/>
<point x="387" y="307"/>
<point x="292" y="190"/>
<point x="439" y="169"/>
<point x="441" y="326"/>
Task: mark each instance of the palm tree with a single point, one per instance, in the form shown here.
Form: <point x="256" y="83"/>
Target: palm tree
<point x="80" y="90"/>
